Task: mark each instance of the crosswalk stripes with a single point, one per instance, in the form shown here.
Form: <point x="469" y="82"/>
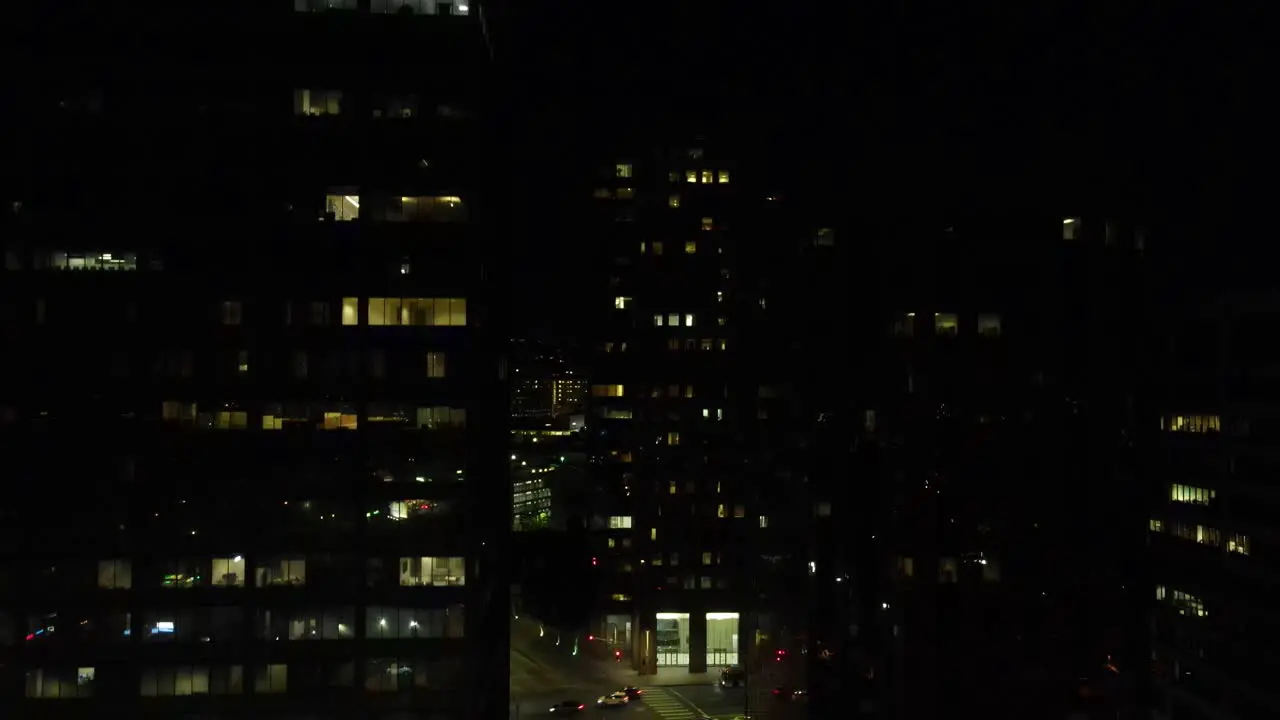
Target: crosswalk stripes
<point x="665" y="705"/>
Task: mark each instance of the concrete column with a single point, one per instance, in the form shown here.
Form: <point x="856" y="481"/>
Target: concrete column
<point x="644" y="642"/>
<point x="748" y="624"/>
<point x="698" y="641"/>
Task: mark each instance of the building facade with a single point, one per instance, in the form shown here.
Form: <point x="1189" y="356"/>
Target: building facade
<point x="1214" y="515"/>
<point x="279" y="368"/>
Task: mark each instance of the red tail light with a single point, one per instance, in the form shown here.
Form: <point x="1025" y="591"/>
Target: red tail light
<point x="581" y="706"/>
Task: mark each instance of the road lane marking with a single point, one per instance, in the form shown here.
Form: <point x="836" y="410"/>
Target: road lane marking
<point x="659" y="700"/>
<point x="686" y="700"/>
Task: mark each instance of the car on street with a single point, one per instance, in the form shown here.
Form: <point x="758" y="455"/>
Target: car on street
<point x="632" y="691"/>
<point x="791" y="694"/>
<point x="568" y="706"/>
<point x="733" y="676"/>
<point x="617" y="699"/>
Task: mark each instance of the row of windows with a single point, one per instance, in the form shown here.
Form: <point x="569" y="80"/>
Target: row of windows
<point x="421" y="312"/>
<point x="947" y="325"/>
<point x="315" y="102"/>
<point x="1203" y="534"/>
<point x="1192" y="423"/>
<point x="380" y="675"/>
<point x="387" y="7"/>
<point x="320" y="416"/>
<point x="181" y="363"/>
<point x="659" y="247"/>
<point x="1185" y="603"/>
<point x="1191" y="494"/>
<point x="345" y="207"/>
<point x="231" y="570"/>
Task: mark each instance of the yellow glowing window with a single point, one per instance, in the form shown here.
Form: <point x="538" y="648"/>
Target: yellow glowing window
<point x="350" y="311"/>
<point x="673" y="438"/>
<point x="720" y="511"/>
<point x="708" y="223"/>
<point x="612" y="542"/>
<point x="626" y="193"/>
<point x="706" y="177"/>
<point x="653" y="533"/>
<point x="1155" y="525"/>
<point x="1238" y="543"/>
<point x="1192" y="423"/>
<point x="606" y="390"/>
<point x="242" y="362"/>
<point x="690" y="246"/>
<point x="673" y="201"/>
<point x="1191" y="495"/>
<point x="706" y="558"/>
<point x="724" y="177"/>
<point x="691" y="176"/>
<point x="620" y="597"/>
<point x="621" y="303"/>
<point x="688" y="319"/>
<point x="724" y="344"/>
<point x="623" y="170"/>
<point x="688" y="391"/>
<point x="671" y="487"/>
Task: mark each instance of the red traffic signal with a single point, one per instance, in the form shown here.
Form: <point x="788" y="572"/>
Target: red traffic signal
<point x="591" y="637"/>
<point x="617" y="653"/>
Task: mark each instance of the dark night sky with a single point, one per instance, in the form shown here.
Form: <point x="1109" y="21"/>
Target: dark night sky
<point x="980" y="105"/>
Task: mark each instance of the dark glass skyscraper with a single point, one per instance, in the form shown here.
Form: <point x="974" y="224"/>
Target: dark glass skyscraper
<point x="253" y="406"/>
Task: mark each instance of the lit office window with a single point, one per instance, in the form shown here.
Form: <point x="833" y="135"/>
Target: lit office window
<point x="1070" y="228"/>
<point x="1238" y="543"/>
<point x="723" y="177"/>
<point x="620" y="522"/>
<point x="620" y="302"/>
<point x="1192" y="423"/>
<point x="315" y="103"/>
<point x="690" y="247"/>
<point x="342" y="207"/>
<point x="708" y="223"/>
<point x="673" y="201"/>
<point x="623" y="170"/>
<point x="691" y="176"/>
<point x="1191" y="495"/>
<point x="946" y="324"/>
<point x="706" y="177"/>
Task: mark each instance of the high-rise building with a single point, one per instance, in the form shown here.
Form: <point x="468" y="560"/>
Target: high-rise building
<point x="1215" y="515"/>
<point x="254" y="331"/>
<point x="677" y="403"/>
<point x="974" y="477"/>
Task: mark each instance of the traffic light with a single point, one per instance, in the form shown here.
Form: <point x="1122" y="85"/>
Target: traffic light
<point x="591" y="637"/>
<point x="617" y="655"/>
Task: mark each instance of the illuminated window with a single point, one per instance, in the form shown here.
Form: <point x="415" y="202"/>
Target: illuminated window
<point x="653" y="533"/>
<point x="1155" y="525"/>
<point x="706" y="177"/>
<point x="989" y="325"/>
<point x="623" y="170"/>
<point x="691" y="176"/>
<point x="690" y="246"/>
<point x="688" y="391"/>
<point x="620" y="597"/>
<point x="350" y="311"/>
<point x="671" y="487"/>
<point x="340" y="420"/>
<point x="708" y="223"/>
<point x="606" y="390"/>
<point x="271" y="679"/>
<point x="657" y="247"/>
<point x="620" y="522"/>
<point x="426" y="208"/>
<point x="707" y="558"/>
<point x="59" y="260"/>
<point x="1208" y="536"/>
<point x="720" y="511"/>
<point x="433" y="571"/>
<point x="946" y="324"/>
<point x="317" y="102"/>
<point x="280" y="571"/>
<point x="1191" y="494"/>
<point x="1238" y="543"/>
<point x="611" y="542"/>
<point x="722" y="321"/>
<point x="231" y="420"/>
<point x="242" y="362"/>
<point x="673" y="201"/>
<point x="626" y="193"/>
<point x="435" y="365"/>
<point x="228" y="571"/>
<point x="1070" y="228"/>
<point x="60" y="684"/>
<point x="723" y="177"/>
<point x="1192" y="423"/>
<point x="688" y="319"/>
<point x="764" y="521"/>
<point x="440" y="417"/>
<point x="118" y="574"/>
<point x="1187" y="604"/>
<point x="178" y="412"/>
<point x="673" y="438"/>
<point x="620" y="302"/>
<point x="723" y="344"/>
<point x="418" y="312"/>
<point x="342" y="208"/>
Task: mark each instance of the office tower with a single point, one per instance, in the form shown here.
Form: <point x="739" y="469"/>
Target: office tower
<point x="975" y="486"/>
<point x="675" y="403"/>
<point x="1214" y="514"/>
<point x="253" y="405"/>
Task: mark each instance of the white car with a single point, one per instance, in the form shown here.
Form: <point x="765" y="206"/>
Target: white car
<point x="617" y="699"/>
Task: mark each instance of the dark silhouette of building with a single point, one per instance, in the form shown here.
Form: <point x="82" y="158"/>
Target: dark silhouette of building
<point x="973" y="475"/>
<point x="254" y="407"/>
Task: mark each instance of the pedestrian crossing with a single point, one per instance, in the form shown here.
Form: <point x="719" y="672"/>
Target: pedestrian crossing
<point x="665" y="705"/>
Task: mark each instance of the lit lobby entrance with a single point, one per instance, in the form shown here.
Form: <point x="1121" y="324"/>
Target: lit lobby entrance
<point x="697" y="642"/>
